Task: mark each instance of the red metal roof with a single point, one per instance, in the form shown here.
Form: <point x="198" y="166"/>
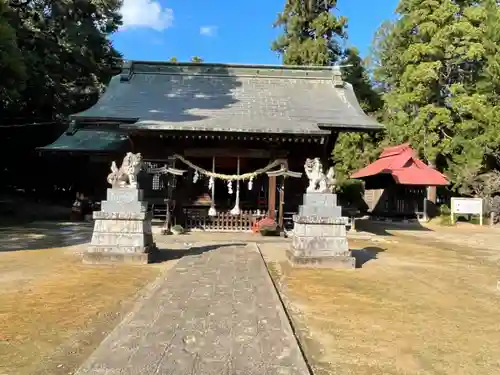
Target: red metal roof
<point x="402" y="163"/>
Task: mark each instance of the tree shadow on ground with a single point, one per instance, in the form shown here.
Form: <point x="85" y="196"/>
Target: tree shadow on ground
<point x="40" y="236"/>
<point x="365" y="255"/>
<point x="165" y="255"/>
<point x="382" y="228"/>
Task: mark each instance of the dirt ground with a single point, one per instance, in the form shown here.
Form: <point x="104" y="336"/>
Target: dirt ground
<point x="423" y="302"/>
<point x="54" y="310"/>
<point x="416" y="306"/>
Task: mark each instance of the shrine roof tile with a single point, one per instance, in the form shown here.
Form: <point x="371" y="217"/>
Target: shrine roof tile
<point x="88" y="141"/>
<point x="230" y="98"/>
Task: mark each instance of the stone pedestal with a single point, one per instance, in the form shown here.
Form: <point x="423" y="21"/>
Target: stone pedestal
<point x="122" y="230"/>
<point x="319" y="237"/>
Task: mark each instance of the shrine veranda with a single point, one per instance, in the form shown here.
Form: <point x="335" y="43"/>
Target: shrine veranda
<point x="209" y="124"/>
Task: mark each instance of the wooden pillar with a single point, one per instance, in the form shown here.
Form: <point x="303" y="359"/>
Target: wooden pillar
<point x="432" y="190"/>
<point x="271" y="202"/>
<point x="432" y="194"/>
<point x="281" y="204"/>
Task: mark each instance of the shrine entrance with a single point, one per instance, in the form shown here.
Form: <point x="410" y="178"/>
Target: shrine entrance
<point x="218" y="193"/>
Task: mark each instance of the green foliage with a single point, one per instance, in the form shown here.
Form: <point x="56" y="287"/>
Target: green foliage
<point x="194" y="59"/>
<point x="355" y="73"/>
<point x="355" y="150"/>
<point x="438" y="65"/>
<point x="64" y="43"/>
<point x="12" y="67"/>
<point x="351" y="193"/>
<point x="311" y="33"/>
<point x="269" y="230"/>
<point x="444" y="210"/>
<point x="445" y="220"/>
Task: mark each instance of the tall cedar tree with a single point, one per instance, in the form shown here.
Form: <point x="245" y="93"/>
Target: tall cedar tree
<point x="311" y="33"/>
<point x="364" y="146"/>
<point x="311" y="36"/>
<point x="438" y="64"/>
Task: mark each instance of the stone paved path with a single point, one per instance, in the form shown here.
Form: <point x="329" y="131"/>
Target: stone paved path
<point x="216" y="313"/>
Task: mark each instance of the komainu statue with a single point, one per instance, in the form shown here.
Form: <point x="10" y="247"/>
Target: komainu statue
<point x="318" y="181"/>
<point x="126" y="175"/>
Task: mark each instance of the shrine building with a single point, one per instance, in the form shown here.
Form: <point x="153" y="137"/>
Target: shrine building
<point x="239" y="133"/>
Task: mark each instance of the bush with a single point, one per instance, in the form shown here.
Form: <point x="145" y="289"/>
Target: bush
<point x="351" y="193"/>
<point x="177" y="229"/>
<point x="269" y="231"/>
<point x="445" y="220"/>
<point x="268" y="227"/>
<point x="444" y="210"/>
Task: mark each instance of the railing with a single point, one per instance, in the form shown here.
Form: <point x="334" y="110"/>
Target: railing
<point x="197" y="219"/>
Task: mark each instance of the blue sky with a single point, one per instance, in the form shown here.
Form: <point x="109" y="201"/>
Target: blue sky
<point x="226" y="32"/>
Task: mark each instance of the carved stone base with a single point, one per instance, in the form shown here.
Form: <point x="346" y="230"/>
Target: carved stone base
<point x="124" y="235"/>
<point x="323" y="261"/>
<point x="319" y="237"/>
<point x="148" y="256"/>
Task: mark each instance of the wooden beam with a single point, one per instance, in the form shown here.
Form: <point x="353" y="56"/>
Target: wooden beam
<point x="226" y="152"/>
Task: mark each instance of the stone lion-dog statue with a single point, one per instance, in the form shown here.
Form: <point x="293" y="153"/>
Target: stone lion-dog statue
<point x="318" y="181"/>
<point x="126" y="175"/>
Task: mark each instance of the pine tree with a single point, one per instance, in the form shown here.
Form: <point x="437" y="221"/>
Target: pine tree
<point x="311" y="33"/>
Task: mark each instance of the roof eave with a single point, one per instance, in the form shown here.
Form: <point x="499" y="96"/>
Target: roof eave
<point x="353" y="128"/>
<point x="155" y="128"/>
<point x="85" y="118"/>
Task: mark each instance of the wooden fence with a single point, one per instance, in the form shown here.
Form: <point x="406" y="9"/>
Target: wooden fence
<point x="197" y="219"/>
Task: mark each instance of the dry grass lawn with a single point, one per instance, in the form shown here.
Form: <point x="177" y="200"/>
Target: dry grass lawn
<point x="54" y="310"/>
<point x="416" y="309"/>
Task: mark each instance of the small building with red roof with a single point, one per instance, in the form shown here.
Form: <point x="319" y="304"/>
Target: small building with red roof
<point x="396" y="182"/>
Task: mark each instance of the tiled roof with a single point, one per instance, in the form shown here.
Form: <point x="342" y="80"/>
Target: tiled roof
<point x="236" y="98"/>
<point x="88" y="140"/>
<point x="402" y="164"/>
